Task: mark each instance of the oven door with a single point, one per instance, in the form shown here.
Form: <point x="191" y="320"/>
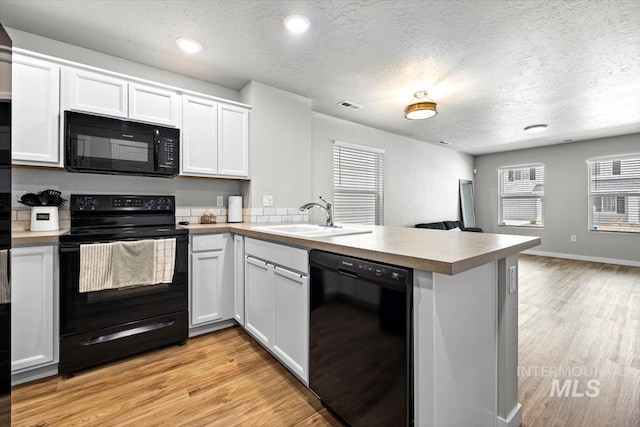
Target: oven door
<point x="82" y="312"/>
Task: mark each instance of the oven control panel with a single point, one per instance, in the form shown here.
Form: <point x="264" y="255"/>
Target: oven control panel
<point x="104" y="203"/>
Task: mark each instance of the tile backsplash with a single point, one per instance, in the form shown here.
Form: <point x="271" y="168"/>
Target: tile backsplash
<point x="266" y="215"/>
<point x="21" y="218"/>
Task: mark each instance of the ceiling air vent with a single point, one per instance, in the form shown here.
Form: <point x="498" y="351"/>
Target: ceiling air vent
<point x="350" y="105"/>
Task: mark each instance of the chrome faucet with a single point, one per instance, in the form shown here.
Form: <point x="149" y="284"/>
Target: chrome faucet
<point x="327" y="209"/>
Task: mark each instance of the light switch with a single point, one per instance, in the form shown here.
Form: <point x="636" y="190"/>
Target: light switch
<point x="267" y="200"/>
<point x="220" y="201"/>
<point x="513" y="279"/>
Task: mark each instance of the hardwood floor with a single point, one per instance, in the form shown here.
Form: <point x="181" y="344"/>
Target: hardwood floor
<point x="574" y="315"/>
<point x="220" y="379"/>
<point x="582" y="320"/>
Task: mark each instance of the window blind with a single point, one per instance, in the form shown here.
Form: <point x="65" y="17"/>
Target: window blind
<point x="521" y="196"/>
<point x="358" y="184"/>
<point x="614" y="194"/>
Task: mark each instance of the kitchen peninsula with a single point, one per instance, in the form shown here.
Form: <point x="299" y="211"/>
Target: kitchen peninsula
<point x="464" y="312"/>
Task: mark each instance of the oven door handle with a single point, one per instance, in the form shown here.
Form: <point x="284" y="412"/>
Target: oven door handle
<point x="128" y="333"/>
<point x="69" y="247"/>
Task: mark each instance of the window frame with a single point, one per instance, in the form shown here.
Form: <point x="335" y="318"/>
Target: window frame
<point x="378" y="193"/>
<point x="529" y="166"/>
<point x="621" y="203"/>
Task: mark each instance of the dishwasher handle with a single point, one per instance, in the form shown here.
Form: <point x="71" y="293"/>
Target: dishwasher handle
<point x="347" y="273"/>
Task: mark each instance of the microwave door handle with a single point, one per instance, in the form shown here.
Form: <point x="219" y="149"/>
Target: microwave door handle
<point x="156" y="150"/>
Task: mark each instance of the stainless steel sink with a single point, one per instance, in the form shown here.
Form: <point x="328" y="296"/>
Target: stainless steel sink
<point x="311" y="230"/>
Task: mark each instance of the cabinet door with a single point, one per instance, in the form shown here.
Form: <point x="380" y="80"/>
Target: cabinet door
<point x="154" y="105"/>
<point x="206" y="286"/>
<point x="233" y="140"/>
<point x="291" y="320"/>
<point x="238" y="279"/>
<point x="93" y="92"/>
<point x="258" y="299"/>
<point x="35" y="111"/>
<point x="33" y="312"/>
<point x="199" y="136"/>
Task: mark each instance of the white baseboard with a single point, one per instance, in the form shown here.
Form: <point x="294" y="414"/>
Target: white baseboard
<point x="513" y="420"/>
<point x="585" y="258"/>
<point x="212" y="327"/>
<point x="34" y="374"/>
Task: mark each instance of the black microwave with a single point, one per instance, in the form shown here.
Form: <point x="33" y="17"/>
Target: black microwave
<point x="95" y="144"/>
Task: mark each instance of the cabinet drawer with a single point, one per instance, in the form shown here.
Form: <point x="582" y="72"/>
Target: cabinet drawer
<point x="283" y="255"/>
<point x="208" y="242"/>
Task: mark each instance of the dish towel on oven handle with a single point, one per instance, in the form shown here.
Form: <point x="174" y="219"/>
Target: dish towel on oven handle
<point x="133" y="263"/>
<point x="125" y="264"/>
<point x="95" y="267"/>
<point x="165" y="260"/>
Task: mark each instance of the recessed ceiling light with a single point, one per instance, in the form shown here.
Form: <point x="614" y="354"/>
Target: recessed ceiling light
<point x="536" y="128"/>
<point x="189" y="45"/>
<point x="297" y="23"/>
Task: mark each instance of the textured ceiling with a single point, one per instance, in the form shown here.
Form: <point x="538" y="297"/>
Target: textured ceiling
<point x="494" y="67"/>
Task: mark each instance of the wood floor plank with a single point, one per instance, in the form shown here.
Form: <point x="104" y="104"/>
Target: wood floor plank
<point x="579" y="322"/>
<point x="573" y="314"/>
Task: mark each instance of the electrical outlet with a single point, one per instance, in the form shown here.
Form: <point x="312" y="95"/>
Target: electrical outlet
<point x="267" y="200"/>
<point x="513" y="279"/>
<point x="573" y="238"/>
<point x="219" y="201"/>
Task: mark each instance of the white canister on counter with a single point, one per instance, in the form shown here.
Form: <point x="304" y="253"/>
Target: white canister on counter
<point x="44" y="218"/>
<point x="234" y="213"/>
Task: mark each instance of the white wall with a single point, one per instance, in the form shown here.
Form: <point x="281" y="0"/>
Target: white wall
<point x="420" y="179"/>
<point x="188" y="191"/>
<point x="280" y="146"/>
<point x="565" y="197"/>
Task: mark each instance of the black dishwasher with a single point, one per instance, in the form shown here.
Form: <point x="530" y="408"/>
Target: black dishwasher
<point x="360" y="339"/>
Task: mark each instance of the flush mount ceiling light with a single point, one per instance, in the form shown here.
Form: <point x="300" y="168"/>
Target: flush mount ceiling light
<point x="297" y="23"/>
<point x="536" y="128"/>
<point x="423" y="108"/>
<point x="189" y="45"/>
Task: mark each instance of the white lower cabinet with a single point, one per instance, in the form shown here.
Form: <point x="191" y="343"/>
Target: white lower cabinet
<point x="211" y="273"/>
<point x="277" y="302"/>
<point x="34" y="307"/>
<point x="238" y="279"/>
<point x="258" y="299"/>
<point x="291" y="319"/>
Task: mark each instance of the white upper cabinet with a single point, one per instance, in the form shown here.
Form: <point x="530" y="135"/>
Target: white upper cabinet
<point x="94" y="92"/>
<point x="84" y="90"/>
<point x="214" y="132"/>
<point x="35" y="111"/>
<point x="154" y="105"/>
<point x="199" y="136"/>
<point x="233" y="140"/>
<point x="215" y="138"/>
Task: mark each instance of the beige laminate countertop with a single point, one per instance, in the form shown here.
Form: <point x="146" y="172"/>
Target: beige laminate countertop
<point x="446" y="252"/>
<point x="35" y="237"/>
